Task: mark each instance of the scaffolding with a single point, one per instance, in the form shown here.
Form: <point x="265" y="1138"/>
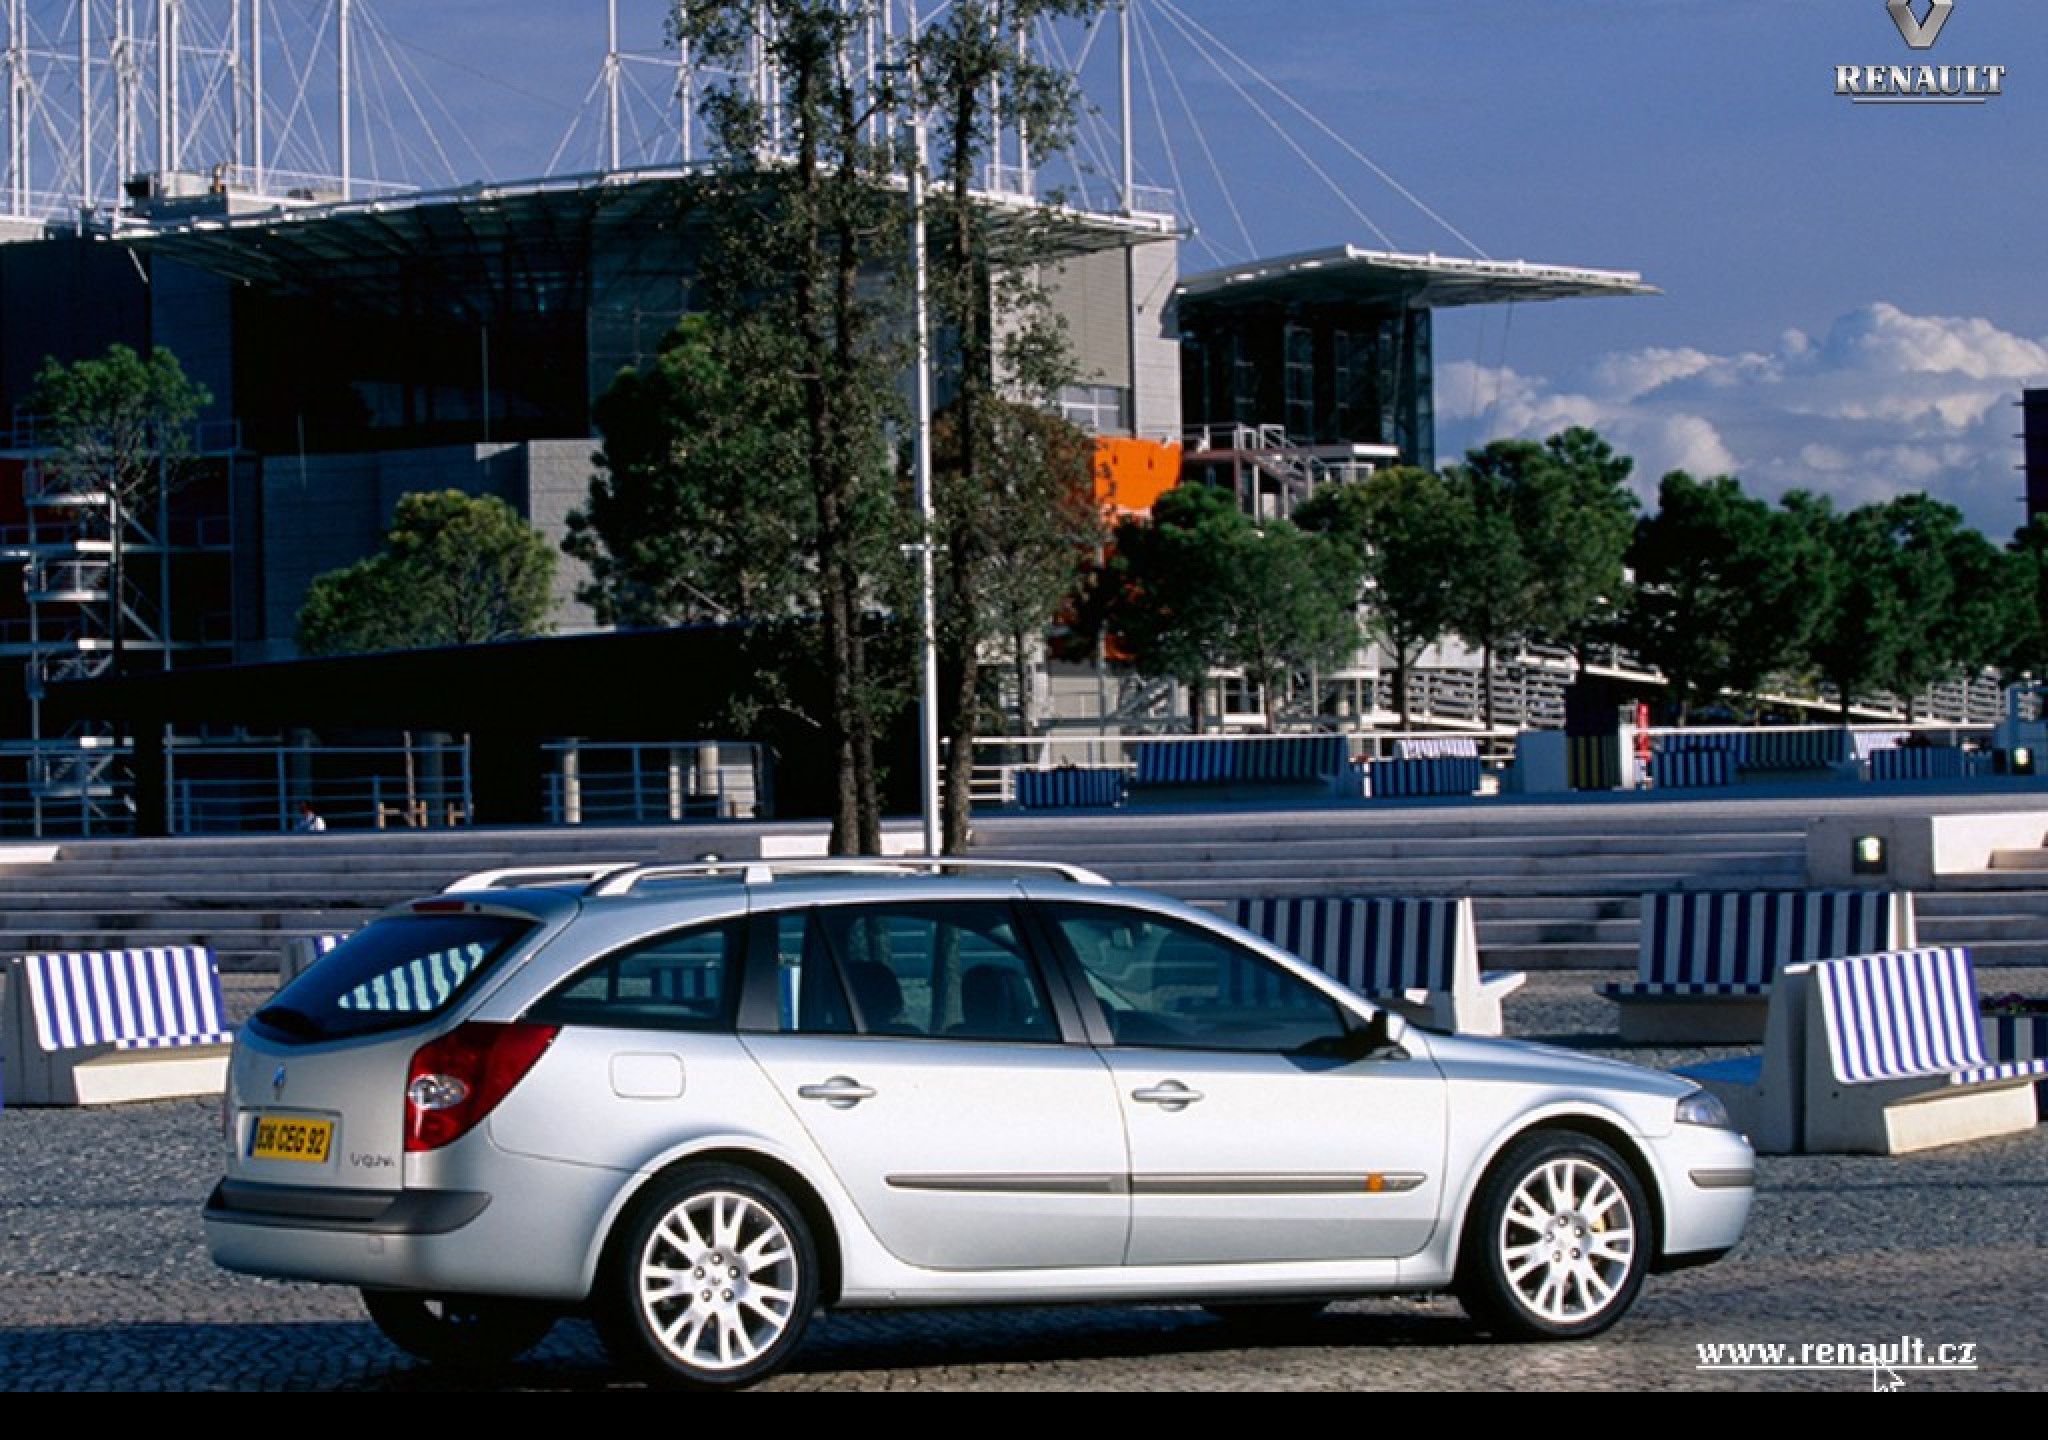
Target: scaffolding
<point x="97" y="579"/>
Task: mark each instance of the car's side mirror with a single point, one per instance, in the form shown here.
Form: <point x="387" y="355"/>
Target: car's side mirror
<point x="1377" y="1038"/>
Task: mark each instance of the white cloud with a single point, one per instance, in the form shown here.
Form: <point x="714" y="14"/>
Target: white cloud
<point x="1884" y="403"/>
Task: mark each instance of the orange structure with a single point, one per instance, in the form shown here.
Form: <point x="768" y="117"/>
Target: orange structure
<point x="1131" y="475"/>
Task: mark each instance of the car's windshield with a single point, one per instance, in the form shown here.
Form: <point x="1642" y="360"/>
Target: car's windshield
<point x="388" y="976"/>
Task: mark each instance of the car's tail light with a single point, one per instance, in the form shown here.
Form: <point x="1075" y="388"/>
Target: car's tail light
<point x="459" y="1079"/>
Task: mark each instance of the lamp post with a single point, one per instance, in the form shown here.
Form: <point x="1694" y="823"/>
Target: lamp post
<point x="927" y="602"/>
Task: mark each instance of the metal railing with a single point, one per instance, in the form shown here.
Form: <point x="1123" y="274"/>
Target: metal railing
<point x="999" y="759"/>
<point x="240" y="789"/>
<point x="87" y="787"/>
<point x="651" y="783"/>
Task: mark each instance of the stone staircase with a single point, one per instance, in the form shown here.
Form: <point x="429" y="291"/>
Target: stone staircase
<point x="246" y="897"/>
<point x="1556" y="886"/>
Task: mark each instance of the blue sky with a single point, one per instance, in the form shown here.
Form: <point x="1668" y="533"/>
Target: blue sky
<point x="1853" y="295"/>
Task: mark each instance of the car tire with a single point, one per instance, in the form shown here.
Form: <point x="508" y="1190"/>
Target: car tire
<point x="712" y="1282"/>
<point x="458" y="1330"/>
<point x="1557" y="1242"/>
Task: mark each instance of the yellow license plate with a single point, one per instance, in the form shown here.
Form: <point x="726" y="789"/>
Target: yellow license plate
<point x="306" y="1141"/>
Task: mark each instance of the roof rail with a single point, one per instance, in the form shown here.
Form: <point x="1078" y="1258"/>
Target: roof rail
<point x="625" y="879"/>
<point x="520" y="877"/>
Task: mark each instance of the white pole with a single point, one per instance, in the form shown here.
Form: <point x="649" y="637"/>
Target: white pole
<point x="611" y="83"/>
<point x="238" y="138"/>
<point x="166" y="87"/>
<point x="347" y="159"/>
<point x="17" y="109"/>
<point x="85" y="176"/>
<point x="928" y="646"/>
<point x="258" y="156"/>
<point x="1130" y="180"/>
<point x="127" y="82"/>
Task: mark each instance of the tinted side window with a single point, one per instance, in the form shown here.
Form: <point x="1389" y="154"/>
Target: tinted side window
<point x="945" y="970"/>
<point x="685" y="980"/>
<point x="1163" y="983"/>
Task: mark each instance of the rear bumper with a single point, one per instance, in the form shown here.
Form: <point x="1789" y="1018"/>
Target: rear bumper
<point x="534" y="1242"/>
<point x="357" y="1212"/>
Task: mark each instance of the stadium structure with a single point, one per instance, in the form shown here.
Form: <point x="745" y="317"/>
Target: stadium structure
<point x="363" y="338"/>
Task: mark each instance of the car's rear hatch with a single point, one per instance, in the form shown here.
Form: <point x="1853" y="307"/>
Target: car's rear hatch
<point x="317" y="1087"/>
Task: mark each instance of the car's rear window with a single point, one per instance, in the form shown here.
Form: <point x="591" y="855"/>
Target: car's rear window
<point x="390" y="975"/>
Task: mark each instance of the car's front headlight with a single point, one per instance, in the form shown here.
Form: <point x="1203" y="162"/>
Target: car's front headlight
<point x="1702" y="1107"/>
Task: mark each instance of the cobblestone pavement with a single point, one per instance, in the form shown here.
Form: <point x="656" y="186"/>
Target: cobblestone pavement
<point x="105" y="1285"/>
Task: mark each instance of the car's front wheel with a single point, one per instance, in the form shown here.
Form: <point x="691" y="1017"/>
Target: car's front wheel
<point x="714" y="1279"/>
<point x="458" y="1329"/>
<point x="1558" y="1240"/>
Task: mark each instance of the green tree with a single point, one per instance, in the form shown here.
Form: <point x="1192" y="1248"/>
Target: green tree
<point x="1502" y="488"/>
<point x="1946" y="594"/>
<point x="1856" y="624"/>
<point x="117" y="427"/>
<point x="972" y="82"/>
<point x="1201" y="588"/>
<point x="794" y="261"/>
<point x="1290" y="608"/>
<point x="1722" y="596"/>
<point x="455" y="570"/>
<point x="1576" y="535"/>
<point x="1985" y="624"/>
<point x="2027" y="599"/>
<point x="1403" y="532"/>
<point x="1904" y="595"/>
<point x="1167" y="574"/>
<point x="1040" y="521"/>
<point x="698" y="510"/>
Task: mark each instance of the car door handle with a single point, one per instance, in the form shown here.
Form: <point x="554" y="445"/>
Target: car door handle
<point x="839" y="1092"/>
<point x="1169" y="1095"/>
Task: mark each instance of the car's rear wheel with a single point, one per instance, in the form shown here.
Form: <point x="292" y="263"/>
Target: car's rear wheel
<point x="713" y="1281"/>
<point x="1558" y="1240"/>
<point x="458" y="1329"/>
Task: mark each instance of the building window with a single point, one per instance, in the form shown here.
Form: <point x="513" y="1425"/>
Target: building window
<point x="1098" y="409"/>
<point x="1301" y="382"/>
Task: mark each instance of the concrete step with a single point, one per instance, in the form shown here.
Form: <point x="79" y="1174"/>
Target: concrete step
<point x="1546" y="958"/>
<point x="1591" y="887"/>
<point x="1553" y="887"/>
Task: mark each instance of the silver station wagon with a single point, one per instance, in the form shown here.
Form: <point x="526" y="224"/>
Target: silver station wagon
<point x="700" y="1104"/>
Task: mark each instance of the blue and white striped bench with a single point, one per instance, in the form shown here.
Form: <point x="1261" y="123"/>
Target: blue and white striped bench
<point x="1919" y="762"/>
<point x="1436" y="747"/>
<point x="1797" y="748"/>
<point x="1434" y="775"/>
<point x="1248" y="759"/>
<point x="1183" y="762"/>
<point x="1706" y="960"/>
<point x="100" y="1027"/>
<point x="1068" y="788"/>
<point x="1691" y="769"/>
<point x="1420" y="955"/>
<point x="1732" y="743"/>
<point x="299" y="953"/>
<point x="1267" y="759"/>
<point x="1875" y="1054"/>
<point x="1869" y="742"/>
